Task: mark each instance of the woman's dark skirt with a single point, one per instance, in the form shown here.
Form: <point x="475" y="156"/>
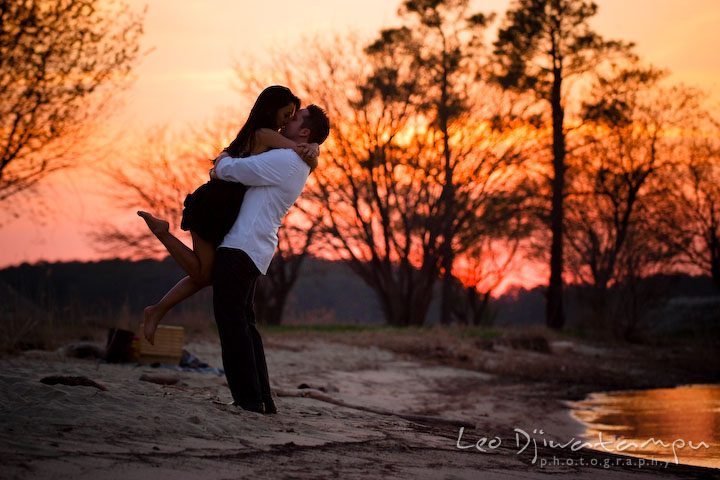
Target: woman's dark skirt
<point x="211" y="210"/>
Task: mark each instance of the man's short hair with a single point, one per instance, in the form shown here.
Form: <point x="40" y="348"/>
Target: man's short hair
<point x="318" y="123"/>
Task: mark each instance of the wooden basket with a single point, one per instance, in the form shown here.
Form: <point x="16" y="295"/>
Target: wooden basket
<point x="168" y="346"/>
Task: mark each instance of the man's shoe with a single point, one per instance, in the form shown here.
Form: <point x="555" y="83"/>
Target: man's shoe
<point x="270" y="407"/>
<point x="250" y="407"/>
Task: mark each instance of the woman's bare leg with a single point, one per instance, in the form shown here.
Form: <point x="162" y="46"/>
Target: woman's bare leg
<point x="181" y="253"/>
<point x="185" y="288"/>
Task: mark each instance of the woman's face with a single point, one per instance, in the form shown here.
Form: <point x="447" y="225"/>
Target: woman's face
<point x="284" y="115"/>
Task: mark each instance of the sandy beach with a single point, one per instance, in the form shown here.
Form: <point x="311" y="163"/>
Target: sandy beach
<point x="185" y="429"/>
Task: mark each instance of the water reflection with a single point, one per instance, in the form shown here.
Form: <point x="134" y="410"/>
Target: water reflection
<point x="686" y="418"/>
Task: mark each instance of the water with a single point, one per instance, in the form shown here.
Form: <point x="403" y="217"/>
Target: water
<point x="668" y="424"/>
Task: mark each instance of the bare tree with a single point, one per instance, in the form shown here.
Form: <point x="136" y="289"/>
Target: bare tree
<point x="61" y="63"/>
<point x="481" y="270"/>
<point x="617" y="179"/>
<point x="377" y="196"/>
<point x="692" y="204"/>
<point x="442" y="42"/>
<point x="644" y="256"/>
<point x="273" y="290"/>
<point x="156" y="175"/>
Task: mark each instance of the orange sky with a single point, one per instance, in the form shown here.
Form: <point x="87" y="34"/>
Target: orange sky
<point x="187" y="78"/>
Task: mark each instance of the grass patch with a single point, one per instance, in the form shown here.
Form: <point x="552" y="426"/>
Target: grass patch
<point x="462" y="331"/>
<point x="320" y="328"/>
<point x="480" y="332"/>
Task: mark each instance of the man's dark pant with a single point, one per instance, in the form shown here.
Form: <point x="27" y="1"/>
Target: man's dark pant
<point x="234" y="277"/>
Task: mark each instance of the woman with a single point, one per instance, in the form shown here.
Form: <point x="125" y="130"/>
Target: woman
<point x="211" y="210"/>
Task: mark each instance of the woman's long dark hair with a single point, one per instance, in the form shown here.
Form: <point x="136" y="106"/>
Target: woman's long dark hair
<point x="262" y="115"/>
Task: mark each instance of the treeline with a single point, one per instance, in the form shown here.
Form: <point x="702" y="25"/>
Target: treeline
<point x="668" y="304"/>
<point x="326" y="292"/>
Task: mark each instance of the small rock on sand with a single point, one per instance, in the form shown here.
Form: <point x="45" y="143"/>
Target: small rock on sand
<point x="160" y="379"/>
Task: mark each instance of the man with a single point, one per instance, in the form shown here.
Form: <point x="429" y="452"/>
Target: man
<point x="276" y="178"/>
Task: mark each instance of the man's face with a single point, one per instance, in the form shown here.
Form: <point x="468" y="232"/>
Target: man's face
<point x="293" y="127"/>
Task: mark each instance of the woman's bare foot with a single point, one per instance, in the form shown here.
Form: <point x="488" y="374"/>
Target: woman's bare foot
<point x="156" y="225"/>
<point x="153" y="315"/>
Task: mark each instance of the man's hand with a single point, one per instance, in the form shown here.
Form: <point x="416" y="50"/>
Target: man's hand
<point x="223" y="154"/>
<point x="220" y="157"/>
<point x="309" y="152"/>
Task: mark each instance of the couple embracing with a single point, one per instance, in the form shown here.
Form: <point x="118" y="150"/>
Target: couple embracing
<point x="233" y="220"/>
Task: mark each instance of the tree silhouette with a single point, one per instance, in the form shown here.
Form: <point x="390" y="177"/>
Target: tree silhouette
<point x="541" y="44"/>
<point x="273" y="289"/>
<point x="692" y="205"/>
<point x="377" y="196"/>
<point x="155" y="175"/>
<point x="628" y="144"/>
<point x="62" y="61"/>
<point x="442" y="45"/>
<point x="483" y="269"/>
